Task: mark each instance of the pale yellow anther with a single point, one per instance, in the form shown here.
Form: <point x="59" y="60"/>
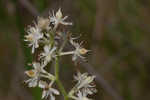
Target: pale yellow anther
<point x="83" y="51"/>
<point x="29" y="37"/>
<point x="30" y="73"/>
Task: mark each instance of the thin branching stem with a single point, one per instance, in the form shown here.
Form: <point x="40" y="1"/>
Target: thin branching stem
<point x="61" y="87"/>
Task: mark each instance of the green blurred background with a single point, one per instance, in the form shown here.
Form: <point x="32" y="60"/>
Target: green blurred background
<point x="117" y="32"/>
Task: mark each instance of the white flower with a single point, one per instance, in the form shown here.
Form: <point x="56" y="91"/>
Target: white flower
<point x="85" y="83"/>
<point x="83" y="87"/>
<point x="79" y="50"/>
<point x="34" y="74"/>
<point x="48" y="54"/>
<point x="82" y="96"/>
<point x="48" y="90"/>
<point x="58" y="19"/>
<point x="79" y="77"/>
<point x="34" y="35"/>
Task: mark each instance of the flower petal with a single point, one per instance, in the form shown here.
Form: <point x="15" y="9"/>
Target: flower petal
<point x="42" y="84"/>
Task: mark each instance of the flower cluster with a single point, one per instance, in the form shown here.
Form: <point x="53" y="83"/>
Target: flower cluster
<point x="47" y="40"/>
<point x="83" y="87"/>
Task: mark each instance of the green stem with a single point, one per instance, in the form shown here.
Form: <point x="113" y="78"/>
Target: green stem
<point x="61" y="87"/>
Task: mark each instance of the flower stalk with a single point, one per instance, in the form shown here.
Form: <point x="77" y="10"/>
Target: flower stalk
<point x="60" y="85"/>
<point x="48" y="42"/>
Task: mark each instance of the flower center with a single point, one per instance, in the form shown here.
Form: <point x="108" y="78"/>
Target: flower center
<point x="30" y="73"/>
<point x="83" y="51"/>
